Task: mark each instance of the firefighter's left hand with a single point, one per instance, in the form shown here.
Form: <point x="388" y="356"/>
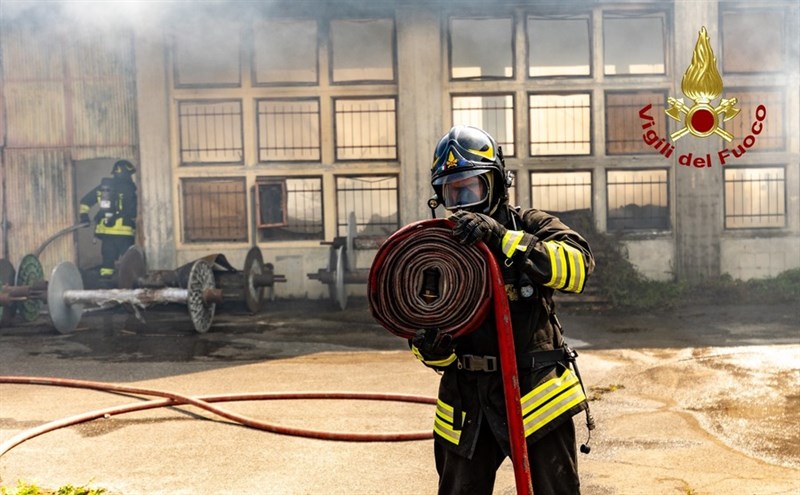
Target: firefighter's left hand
<point x="473" y="227"/>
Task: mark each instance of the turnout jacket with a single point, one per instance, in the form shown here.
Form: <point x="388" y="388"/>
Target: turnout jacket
<point x="123" y="208"/>
<point x="549" y="256"/>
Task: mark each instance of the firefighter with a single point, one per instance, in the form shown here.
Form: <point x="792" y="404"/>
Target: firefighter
<point x="115" y="221"/>
<point x="538" y="255"/>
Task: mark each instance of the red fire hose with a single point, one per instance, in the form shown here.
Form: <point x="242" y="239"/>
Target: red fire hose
<point x="204" y="402"/>
<point x="395" y="292"/>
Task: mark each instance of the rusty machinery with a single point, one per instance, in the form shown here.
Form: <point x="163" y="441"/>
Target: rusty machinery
<point x="253" y="284"/>
<point x="341" y="268"/>
<point x="195" y="284"/>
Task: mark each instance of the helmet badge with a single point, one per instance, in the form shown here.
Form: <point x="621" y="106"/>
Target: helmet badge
<point x="451" y="161"/>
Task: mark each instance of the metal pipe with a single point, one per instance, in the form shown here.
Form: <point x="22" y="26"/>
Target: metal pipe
<point x="138" y="297"/>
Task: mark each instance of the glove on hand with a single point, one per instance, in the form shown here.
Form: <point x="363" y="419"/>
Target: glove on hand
<point x="473" y="227"/>
<point x="433" y="348"/>
<point x="84" y="218"/>
<point x="110" y="221"/>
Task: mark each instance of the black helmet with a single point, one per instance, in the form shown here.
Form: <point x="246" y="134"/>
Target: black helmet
<point x="123" y="167"/>
<point x="468" y="171"/>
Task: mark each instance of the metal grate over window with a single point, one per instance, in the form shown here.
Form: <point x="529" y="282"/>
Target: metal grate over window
<point x="366" y="128"/>
<point x="755" y="197"/>
<point x="770" y="120"/>
<point x="289" y="208"/>
<point x="374" y="201"/>
<point x="559" y="192"/>
<point x="624" y="123"/>
<point x="560" y="124"/>
<point x="288" y="130"/>
<point x="492" y="113"/>
<point x="214" y="209"/>
<point x="210" y="132"/>
<point x="637" y="200"/>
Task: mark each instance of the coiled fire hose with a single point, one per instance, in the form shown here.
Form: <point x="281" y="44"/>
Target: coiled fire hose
<point x="170" y="399"/>
<point x="423" y="278"/>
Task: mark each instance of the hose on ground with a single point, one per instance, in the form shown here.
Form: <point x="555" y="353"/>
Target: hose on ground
<point x="398" y="275"/>
<point x="170" y="399"/>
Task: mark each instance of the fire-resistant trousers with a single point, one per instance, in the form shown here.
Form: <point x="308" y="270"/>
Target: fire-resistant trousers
<point x="553" y="460"/>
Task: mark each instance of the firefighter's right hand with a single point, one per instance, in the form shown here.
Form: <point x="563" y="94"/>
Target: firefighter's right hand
<point x="110" y="221"/>
<point x="433" y="348"/>
<point x="84" y="218"/>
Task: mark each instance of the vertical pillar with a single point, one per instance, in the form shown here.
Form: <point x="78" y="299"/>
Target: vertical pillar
<point x="698" y="191"/>
<point x="155" y="169"/>
<point x="419" y="115"/>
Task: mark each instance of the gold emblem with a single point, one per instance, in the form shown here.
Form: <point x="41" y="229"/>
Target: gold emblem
<point x="702" y="84"/>
<point x="451" y="161"/>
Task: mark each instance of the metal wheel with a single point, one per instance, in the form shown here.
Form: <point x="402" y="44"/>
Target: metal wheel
<point x="65" y="317"/>
<point x="201" y="277"/>
<point x="30" y="271"/>
<point x="253" y="266"/>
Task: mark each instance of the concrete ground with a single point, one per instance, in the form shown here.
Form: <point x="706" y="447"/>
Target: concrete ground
<point x="701" y="400"/>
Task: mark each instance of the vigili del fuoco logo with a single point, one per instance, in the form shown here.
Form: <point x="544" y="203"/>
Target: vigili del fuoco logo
<point x="702" y="84"/>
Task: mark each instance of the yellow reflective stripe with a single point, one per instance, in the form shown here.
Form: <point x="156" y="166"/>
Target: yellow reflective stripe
<point x="558" y="265"/>
<point x="106" y="271"/>
<point x="448" y="434"/>
<point x="548" y="389"/>
<point x="540" y="418"/>
<point x="568" y="270"/>
<point x="84" y="208"/>
<point x="537" y="407"/>
<point x="443" y="422"/>
<point x="511" y="241"/>
<point x="489" y="153"/>
<point x="577" y="269"/>
<point x="441" y="362"/>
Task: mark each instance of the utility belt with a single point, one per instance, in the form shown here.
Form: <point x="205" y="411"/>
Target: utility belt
<point x="529" y="361"/>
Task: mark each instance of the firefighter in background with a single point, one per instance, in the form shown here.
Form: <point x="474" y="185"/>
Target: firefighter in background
<point x="115" y="221"/>
<point x="538" y="255"/>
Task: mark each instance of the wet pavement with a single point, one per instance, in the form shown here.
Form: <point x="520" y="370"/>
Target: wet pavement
<point x="703" y="400"/>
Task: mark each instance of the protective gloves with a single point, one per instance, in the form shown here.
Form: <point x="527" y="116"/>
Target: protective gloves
<point x="473" y="227"/>
<point x="433" y="348"/>
<point x="84" y="218"/>
<point x="111" y="220"/>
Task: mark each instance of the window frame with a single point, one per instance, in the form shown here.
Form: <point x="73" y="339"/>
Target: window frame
<point x="665" y="40"/>
<point x="586" y="15"/>
<point x="667" y="194"/>
<point x="180" y="150"/>
<point x="589" y="133"/>
<point x="357" y="82"/>
<point x="253" y="65"/>
<point x="513" y="110"/>
<point x="335" y="128"/>
<point x="784" y="214"/>
<point x="257" y="101"/>
<point x="448" y="20"/>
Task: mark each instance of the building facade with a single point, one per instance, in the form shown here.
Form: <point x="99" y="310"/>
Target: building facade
<point x="272" y="123"/>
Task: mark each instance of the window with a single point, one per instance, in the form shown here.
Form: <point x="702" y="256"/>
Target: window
<point x="560" y="124"/>
<point x="633" y="44"/>
<point x="289" y="208"/>
<point x="561" y="192"/>
<point x="288" y="130"/>
<point x="210" y="132"/>
<point x="755" y="197"/>
<point x="373" y="199"/>
<point x="637" y="200"/>
<point x="624" y="132"/>
<point x="366" y="129"/>
<point x="285" y="51"/>
<point x="214" y="209"/>
<point x="204" y="60"/>
<point x="481" y="48"/>
<point x="753" y="41"/>
<point x="492" y="113"/>
<point x="773" y="133"/>
<point x="558" y="47"/>
<point x="362" y="50"/>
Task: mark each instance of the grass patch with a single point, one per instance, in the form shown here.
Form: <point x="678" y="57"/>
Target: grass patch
<point x="618" y="281"/>
<point x="24" y="488"/>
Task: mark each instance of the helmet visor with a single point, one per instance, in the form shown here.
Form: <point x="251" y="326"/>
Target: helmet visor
<point x="462" y="192"/>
